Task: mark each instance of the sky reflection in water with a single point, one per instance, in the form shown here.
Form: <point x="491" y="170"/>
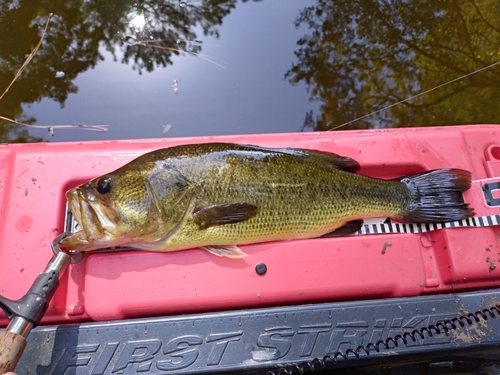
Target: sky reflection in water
<point x="263" y="66"/>
<point x="249" y="94"/>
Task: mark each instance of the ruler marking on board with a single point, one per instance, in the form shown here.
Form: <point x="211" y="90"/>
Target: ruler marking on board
<point x="379" y="226"/>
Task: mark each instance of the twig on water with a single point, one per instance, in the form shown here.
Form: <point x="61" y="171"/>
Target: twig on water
<point x="29" y="57"/>
<point x="210" y="59"/>
<point x="99" y="128"/>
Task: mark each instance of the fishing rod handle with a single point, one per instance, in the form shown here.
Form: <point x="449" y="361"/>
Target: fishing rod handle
<point x="27" y="312"/>
<point x="11" y="349"/>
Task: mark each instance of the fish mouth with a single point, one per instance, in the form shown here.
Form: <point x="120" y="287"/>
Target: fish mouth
<point x="95" y="220"/>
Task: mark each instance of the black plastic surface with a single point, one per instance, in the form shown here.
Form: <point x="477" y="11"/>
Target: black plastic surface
<point x="282" y="340"/>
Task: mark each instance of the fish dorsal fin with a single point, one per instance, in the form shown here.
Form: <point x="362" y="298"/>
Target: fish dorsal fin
<point x="229" y="251"/>
<point x="333" y="160"/>
<point x="343" y="163"/>
<point x="220" y="214"/>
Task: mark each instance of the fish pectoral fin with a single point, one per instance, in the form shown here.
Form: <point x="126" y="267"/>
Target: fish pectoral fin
<point x="230" y="251"/>
<point x="343" y="163"/>
<point x="220" y="214"/>
<point x="350" y="227"/>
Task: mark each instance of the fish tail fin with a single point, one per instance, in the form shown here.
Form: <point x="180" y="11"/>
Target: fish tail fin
<point x="436" y="196"/>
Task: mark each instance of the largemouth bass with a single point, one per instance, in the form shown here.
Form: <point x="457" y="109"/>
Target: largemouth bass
<point x="219" y="195"/>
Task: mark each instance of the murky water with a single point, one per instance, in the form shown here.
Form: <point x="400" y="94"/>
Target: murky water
<point x="186" y="68"/>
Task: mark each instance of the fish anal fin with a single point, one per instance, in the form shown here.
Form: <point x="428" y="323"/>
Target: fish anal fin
<point x="348" y="228"/>
<point x="230" y="251"/>
<point x="220" y="214"/>
<point x="343" y="163"/>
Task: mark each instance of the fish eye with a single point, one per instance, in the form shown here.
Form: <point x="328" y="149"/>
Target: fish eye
<point x="104" y="185"/>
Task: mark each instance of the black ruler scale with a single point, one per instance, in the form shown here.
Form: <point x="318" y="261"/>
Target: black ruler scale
<point x="375" y="226"/>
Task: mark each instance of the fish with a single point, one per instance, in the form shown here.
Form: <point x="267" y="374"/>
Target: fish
<point x="217" y="196"/>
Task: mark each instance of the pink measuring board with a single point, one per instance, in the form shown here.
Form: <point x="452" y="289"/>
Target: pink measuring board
<point x="120" y="285"/>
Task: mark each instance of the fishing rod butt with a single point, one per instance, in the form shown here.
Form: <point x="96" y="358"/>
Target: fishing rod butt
<point x="11" y="349"/>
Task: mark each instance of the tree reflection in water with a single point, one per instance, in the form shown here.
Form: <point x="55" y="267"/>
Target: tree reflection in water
<point x="77" y="30"/>
<point x="356" y="57"/>
<point x="361" y="56"/>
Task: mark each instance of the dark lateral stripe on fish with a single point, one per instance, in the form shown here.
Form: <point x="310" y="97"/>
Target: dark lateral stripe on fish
<point x="479" y="221"/>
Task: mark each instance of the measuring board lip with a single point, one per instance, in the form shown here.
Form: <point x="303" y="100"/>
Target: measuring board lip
<point x="138" y="284"/>
<point x="259" y="340"/>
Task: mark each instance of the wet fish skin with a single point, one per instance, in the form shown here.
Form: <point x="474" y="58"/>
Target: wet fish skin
<point x="216" y="195"/>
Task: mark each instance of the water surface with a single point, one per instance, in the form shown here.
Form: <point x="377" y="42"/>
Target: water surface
<point x="207" y="67"/>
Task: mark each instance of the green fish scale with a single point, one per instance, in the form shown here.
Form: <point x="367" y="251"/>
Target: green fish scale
<point x="226" y="194"/>
<point x="296" y="196"/>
